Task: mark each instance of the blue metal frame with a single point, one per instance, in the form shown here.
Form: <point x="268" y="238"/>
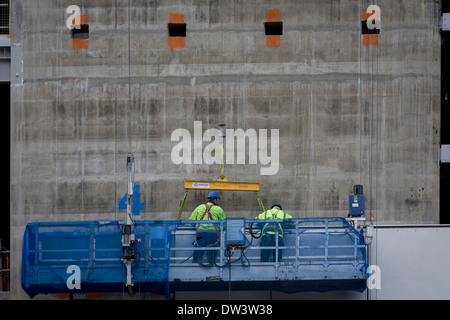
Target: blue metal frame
<point x="319" y="254"/>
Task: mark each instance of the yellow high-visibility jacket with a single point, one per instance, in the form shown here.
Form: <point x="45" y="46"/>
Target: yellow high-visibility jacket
<point x="215" y="213"/>
<point x="274" y="213"/>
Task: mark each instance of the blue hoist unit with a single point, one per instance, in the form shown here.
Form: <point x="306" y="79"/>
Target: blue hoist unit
<point x="356" y="202"/>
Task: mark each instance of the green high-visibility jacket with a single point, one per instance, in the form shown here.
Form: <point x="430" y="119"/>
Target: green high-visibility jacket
<point x="274" y="213"/>
<point x="216" y="214"/>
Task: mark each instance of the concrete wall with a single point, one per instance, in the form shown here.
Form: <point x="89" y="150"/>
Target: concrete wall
<point x="346" y="113"/>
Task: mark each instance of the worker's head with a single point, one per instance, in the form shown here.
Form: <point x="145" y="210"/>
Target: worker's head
<point x="277" y="206"/>
<point x="213" y="196"/>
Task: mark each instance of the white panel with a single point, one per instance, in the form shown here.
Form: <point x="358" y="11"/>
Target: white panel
<point x="414" y="262"/>
<point x="446" y="21"/>
<point x="445" y="153"/>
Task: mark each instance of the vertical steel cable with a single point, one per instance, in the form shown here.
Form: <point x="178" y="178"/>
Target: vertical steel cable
<point x="129" y="78"/>
<point x="360" y="103"/>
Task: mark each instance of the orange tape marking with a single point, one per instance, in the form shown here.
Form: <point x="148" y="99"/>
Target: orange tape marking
<point x="273" y="15"/>
<point x="176" y="42"/>
<point x="368" y="39"/>
<point x="80" y="43"/>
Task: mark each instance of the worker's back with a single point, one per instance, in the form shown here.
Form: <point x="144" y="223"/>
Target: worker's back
<point x="201" y="213"/>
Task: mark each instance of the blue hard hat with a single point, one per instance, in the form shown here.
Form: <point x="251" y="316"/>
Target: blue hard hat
<point x="213" y="194"/>
<point x="277" y="205"/>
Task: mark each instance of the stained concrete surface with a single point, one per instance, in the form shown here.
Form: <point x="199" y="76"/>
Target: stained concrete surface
<point x="346" y="113"/>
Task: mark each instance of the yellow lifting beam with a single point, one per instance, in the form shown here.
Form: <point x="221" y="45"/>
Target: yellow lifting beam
<point x="221" y="184"/>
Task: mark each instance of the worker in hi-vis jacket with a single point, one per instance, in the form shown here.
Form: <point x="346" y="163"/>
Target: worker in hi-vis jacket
<point x="268" y="232"/>
<point x="207" y="234"/>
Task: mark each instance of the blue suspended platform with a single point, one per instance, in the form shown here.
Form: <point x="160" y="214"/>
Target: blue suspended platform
<point x="318" y="254"/>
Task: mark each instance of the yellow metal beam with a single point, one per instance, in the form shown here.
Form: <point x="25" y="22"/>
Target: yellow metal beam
<point x="221" y="184"/>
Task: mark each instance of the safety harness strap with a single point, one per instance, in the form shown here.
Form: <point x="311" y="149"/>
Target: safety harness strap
<point x="208" y="210"/>
<point x="271" y="228"/>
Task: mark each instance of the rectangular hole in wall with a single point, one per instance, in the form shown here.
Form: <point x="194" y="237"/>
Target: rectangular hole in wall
<point x="177" y="29"/>
<point x="273" y="28"/>
<point x="82" y="33"/>
<point x="365" y="29"/>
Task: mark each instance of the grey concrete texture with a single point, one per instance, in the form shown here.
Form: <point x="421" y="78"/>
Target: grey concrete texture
<point x="346" y="113"/>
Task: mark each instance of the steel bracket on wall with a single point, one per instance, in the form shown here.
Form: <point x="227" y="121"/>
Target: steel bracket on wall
<point x="16" y="64"/>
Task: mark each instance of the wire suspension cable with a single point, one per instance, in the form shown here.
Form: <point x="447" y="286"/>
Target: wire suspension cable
<point x="129" y="78"/>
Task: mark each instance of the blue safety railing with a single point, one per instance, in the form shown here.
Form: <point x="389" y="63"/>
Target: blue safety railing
<point x="314" y="254"/>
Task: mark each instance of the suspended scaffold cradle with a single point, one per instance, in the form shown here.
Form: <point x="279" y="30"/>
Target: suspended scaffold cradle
<point x="319" y="254"/>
